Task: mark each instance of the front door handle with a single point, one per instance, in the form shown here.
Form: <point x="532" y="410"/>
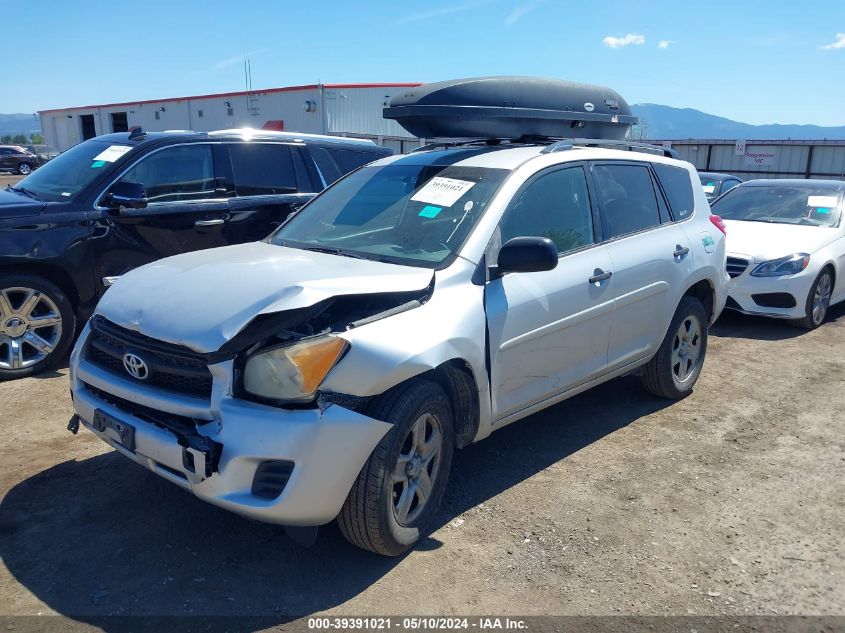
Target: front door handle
<point x="600" y="275"/>
<point x="680" y="251"/>
<point x="213" y="222"/>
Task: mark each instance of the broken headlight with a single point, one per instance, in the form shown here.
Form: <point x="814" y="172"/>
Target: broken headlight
<point x="292" y="372"/>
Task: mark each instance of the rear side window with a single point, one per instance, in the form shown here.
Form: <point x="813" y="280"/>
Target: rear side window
<point x="326" y="164"/>
<point x="349" y="160"/>
<point x="262" y="169"/>
<point x="627" y="198"/>
<point x="555" y="205"/>
<point x="678" y="188"/>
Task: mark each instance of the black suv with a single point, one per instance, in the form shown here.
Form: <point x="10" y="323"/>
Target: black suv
<point x="17" y="160"/>
<point x="118" y="201"/>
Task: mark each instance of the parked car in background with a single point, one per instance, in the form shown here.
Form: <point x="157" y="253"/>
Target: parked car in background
<point x="17" y="160"/>
<point x="118" y="201"/>
<point x="413" y="307"/>
<point x="786" y="248"/>
<point x="44" y="152"/>
<point x="715" y="184"/>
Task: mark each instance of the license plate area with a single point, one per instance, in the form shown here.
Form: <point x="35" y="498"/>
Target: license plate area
<point x="114" y="429"/>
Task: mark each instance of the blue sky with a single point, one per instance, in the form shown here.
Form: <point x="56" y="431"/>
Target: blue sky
<point x="753" y="61"/>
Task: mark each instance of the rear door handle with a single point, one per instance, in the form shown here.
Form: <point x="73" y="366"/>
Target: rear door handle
<point x="600" y="275"/>
<point x="680" y="251"/>
<point x="213" y="222"/>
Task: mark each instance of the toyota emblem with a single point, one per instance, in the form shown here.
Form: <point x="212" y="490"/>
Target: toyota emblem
<point x="135" y="366"/>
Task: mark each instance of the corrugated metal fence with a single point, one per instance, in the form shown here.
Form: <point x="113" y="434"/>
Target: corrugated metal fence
<point x="765" y="159"/>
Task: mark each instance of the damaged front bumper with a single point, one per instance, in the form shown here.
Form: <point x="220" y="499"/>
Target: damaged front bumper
<point x="230" y="452"/>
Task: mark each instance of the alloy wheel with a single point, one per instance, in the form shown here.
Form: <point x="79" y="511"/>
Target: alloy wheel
<point x="821" y="298"/>
<point x="30" y="327"/>
<point x="417" y="468"/>
<point x="686" y="349"/>
<point x="24" y="169"/>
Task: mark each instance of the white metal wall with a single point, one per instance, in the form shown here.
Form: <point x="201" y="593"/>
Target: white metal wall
<point x="347" y="111"/>
<point x="792" y="159"/>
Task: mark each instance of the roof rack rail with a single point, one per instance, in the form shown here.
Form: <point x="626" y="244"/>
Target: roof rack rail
<point x="633" y="146"/>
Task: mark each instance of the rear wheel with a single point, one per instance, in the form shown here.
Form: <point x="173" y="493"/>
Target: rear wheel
<point x="818" y="301"/>
<point x="24" y="169"/>
<point x="395" y="499"/>
<point x="674" y="369"/>
<point x="37" y="325"/>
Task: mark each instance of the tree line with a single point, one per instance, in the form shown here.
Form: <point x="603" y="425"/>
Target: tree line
<point x="22" y="139"/>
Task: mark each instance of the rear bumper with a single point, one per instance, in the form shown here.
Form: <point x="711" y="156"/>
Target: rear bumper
<point x="327" y="447"/>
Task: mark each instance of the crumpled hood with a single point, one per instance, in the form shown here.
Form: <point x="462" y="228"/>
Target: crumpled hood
<point x="765" y="241"/>
<point x="202" y="299"/>
<point x="13" y="205"/>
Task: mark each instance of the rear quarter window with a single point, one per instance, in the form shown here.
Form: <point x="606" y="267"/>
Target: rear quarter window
<point x="678" y="189"/>
<point x="262" y="168"/>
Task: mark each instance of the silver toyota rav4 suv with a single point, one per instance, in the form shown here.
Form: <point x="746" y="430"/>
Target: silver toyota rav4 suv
<point x="417" y="305"/>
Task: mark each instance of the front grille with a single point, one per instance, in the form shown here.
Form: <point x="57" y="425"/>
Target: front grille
<point x="736" y="266"/>
<point x="172" y="367"/>
<point x="178" y="423"/>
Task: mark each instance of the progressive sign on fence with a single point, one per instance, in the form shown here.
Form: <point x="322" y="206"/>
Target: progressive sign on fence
<point x="764" y="158"/>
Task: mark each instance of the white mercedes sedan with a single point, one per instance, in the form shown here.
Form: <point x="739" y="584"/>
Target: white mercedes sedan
<point x="786" y="248"/>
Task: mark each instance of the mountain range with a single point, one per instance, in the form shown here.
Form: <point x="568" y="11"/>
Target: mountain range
<point x="660" y="123"/>
<point x="667" y="123"/>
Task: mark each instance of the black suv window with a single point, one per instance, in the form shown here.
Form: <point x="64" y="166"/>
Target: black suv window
<point x="555" y="205"/>
<point x="627" y="199"/>
<point x="262" y="169"/>
<point x="678" y="188"/>
<point x="181" y="172"/>
<point x="349" y="160"/>
<point x="328" y="167"/>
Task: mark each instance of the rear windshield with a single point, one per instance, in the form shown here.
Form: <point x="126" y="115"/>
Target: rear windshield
<point x="781" y="204"/>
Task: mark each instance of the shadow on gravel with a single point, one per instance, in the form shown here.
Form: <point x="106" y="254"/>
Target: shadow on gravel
<point x="102" y="536"/>
<point x="731" y="324"/>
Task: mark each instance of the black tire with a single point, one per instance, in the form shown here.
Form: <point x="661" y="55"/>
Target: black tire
<point x="813" y="319"/>
<point x="24" y="169"/>
<point x="661" y="373"/>
<point x="60" y="338"/>
<point x="368" y="518"/>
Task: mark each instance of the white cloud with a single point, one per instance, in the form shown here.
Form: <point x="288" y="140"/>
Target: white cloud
<point x="664" y="43"/>
<point x="516" y="15"/>
<point x="839" y="43"/>
<point x="619" y="42"/>
<point x="435" y="13"/>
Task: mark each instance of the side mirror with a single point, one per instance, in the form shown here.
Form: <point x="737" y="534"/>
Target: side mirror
<point x="126" y="195"/>
<point x="526" y="255"/>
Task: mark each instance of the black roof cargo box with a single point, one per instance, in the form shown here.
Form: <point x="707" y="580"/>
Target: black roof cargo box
<point x="511" y="107"/>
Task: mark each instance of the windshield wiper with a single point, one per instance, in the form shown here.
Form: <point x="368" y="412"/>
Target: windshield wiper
<point x="27" y="192"/>
<point x="333" y="250"/>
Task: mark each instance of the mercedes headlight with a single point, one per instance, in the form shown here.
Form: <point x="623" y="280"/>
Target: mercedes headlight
<point x="292" y="372"/>
<point x="789" y="265"/>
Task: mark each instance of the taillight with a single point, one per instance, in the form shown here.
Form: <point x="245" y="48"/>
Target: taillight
<point x="719" y="223"/>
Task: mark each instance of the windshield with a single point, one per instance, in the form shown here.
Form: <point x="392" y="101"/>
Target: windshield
<point x="710" y="185"/>
<point x="416" y="215"/>
<point x="812" y="206"/>
<point x="69" y="172"/>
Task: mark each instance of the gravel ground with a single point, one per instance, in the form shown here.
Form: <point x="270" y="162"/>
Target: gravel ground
<point x="613" y="502"/>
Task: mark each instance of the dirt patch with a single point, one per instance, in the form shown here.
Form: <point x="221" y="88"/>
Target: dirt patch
<point x="613" y="502"/>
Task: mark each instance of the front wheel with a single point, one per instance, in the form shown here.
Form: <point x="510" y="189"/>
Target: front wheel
<point x="24" y="169"/>
<point x="37" y="325"/>
<point x="394" y="500"/>
<point x="818" y="301"/>
<point x="674" y="369"/>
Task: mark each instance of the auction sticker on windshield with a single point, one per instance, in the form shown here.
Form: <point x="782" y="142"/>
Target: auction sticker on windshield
<point x="822" y="201"/>
<point x="443" y="192"/>
<point x="112" y="153"/>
